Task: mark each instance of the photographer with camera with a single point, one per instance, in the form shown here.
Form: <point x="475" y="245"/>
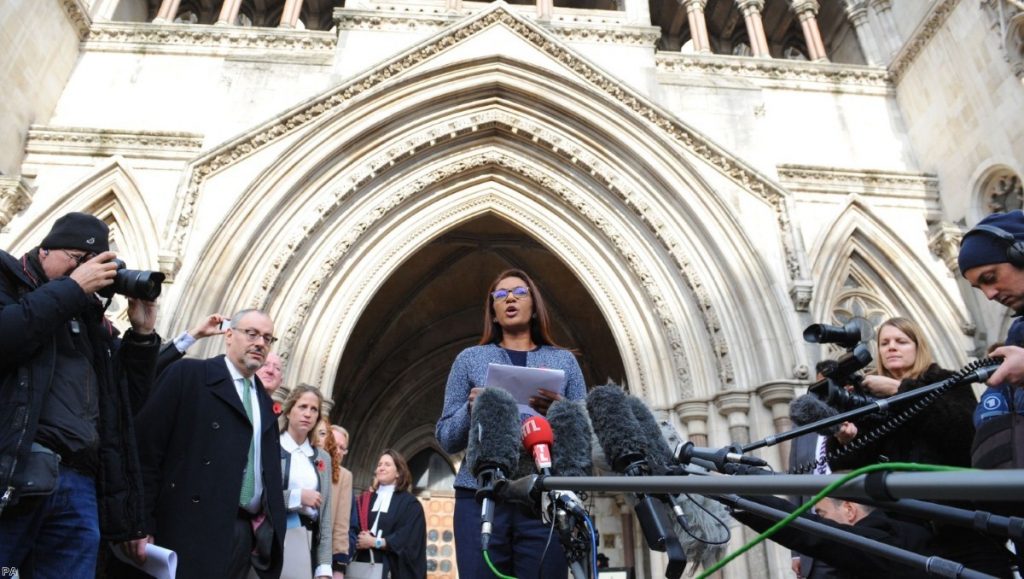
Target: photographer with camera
<point x="69" y="468"/>
<point x="940" y="434"/>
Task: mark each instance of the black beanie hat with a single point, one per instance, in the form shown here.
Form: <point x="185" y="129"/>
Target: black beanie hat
<point x="78" y="231"/>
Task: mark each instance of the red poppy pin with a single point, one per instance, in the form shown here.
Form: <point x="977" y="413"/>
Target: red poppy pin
<point x="320" y="465"/>
<point x="277" y="409"/>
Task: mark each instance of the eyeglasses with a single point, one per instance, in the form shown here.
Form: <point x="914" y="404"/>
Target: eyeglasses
<point x="78" y="259"/>
<point x="253" y="335"/>
<point x="502" y="294"/>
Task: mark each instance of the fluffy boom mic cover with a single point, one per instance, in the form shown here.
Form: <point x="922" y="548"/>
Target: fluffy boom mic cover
<point x="658" y="451"/>
<point x="572" y="449"/>
<point x="809" y="408"/>
<point x="493" y="433"/>
<point x="615" y="426"/>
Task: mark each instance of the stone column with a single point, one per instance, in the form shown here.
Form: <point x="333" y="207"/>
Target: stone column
<point x="735" y="407"/>
<point x="776" y="397"/>
<point x="545" y="8"/>
<point x="453" y="5"/>
<point x="290" y="13"/>
<point x="807" y="13"/>
<point x="694" y="414"/>
<point x="229" y="12"/>
<point x="698" y="25"/>
<point x="888" y="34"/>
<point x="857" y="13"/>
<point x="751" y="10"/>
<point x="168" y="10"/>
<point x="626" y="517"/>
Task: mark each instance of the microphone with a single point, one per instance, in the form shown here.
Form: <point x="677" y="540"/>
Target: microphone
<point x="809" y="408"/>
<point x="571" y="428"/>
<point x="493" y="451"/>
<point x="538" y="438"/>
<point x="618" y="432"/>
<point x="658" y="451"/>
<point x="685" y="452"/>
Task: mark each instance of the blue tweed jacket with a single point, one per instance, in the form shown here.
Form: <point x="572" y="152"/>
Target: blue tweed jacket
<point x="470" y="371"/>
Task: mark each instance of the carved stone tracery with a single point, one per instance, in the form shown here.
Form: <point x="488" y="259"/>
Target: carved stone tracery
<point x="673" y="129"/>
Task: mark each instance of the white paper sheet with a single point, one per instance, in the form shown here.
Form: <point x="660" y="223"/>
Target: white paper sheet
<point x="160" y="562"/>
<point x="523" y="382"/>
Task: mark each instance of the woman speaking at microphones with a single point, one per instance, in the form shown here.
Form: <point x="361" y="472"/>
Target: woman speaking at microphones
<point x="516" y="332"/>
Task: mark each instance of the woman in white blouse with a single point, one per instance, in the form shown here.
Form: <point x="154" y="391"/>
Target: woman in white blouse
<point x="307" y="483"/>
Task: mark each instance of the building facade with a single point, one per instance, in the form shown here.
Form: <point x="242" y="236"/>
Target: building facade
<point x="692" y="183"/>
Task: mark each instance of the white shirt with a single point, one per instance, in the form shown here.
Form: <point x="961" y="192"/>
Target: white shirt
<point x="819" y="451"/>
<point x="301" y="474"/>
<point x="239" y="380"/>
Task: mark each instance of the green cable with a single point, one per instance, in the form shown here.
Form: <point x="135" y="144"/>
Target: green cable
<point x="813" y="501"/>
<point x="494" y="569"/>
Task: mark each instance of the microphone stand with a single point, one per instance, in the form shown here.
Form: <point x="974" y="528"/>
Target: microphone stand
<point x="932" y="565"/>
<point x="880" y="405"/>
<point x="996" y="486"/>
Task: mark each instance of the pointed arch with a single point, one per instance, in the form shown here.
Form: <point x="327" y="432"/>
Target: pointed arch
<point x="111" y="193"/>
<point x="859" y="256"/>
<point x="687" y="256"/>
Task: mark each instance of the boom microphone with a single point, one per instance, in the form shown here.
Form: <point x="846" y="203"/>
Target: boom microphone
<point x="618" y="432"/>
<point x="809" y="408"/>
<point x="493" y="451"/>
<point x="571" y="455"/>
<point x="658" y="452"/>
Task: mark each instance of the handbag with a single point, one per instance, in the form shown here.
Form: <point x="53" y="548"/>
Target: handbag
<point x="362" y="569"/>
<point x="36" y="476"/>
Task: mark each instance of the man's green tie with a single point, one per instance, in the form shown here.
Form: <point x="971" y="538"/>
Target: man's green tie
<point x="249" y="477"/>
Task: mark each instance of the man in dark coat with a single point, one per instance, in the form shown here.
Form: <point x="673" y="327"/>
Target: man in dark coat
<point x="213" y="489"/>
<point x="861" y="520"/>
<point x="69" y="470"/>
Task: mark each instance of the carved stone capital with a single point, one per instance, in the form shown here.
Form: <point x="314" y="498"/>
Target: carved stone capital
<point x="880" y="5"/>
<point x="699" y="4"/>
<point x="857" y="12"/>
<point x="169" y="263"/>
<point x="750" y="5"/>
<point x="778" y="392"/>
<point x="692" y="410"/>
<point x="944" y="242"/>
<point x="15" y="196"/>
<point x="733" y="403"/>
<point x="801" y="6"/>
<point x="800" y="292"/>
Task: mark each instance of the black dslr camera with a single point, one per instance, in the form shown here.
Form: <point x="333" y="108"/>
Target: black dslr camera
<point x="134" y="283"/>
<point x="832" y="388"/>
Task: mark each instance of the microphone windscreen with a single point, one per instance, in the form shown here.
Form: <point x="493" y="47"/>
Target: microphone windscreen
<point x="658" y="451"/>
<point x="536" y="430"/>
<point x="809" y="408"/>
<point x="493" y="433"/>
<point x="571" y="452"/>
<point x="615" y="426"/>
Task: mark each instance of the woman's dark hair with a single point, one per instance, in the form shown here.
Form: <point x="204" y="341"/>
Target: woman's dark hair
<point x="540" y="322"/>
<point x="404" y="480"/>
<point x="293" y="397"/>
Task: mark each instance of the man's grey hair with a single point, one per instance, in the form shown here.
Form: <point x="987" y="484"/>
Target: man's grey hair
<point x="241" y="314"/>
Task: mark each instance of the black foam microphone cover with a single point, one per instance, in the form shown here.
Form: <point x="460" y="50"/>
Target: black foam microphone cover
<point x="571" y="452"/>
<point x="809" y="408"/>
<point x="493" y="433"/>
<point x="658" y="451"/>
<point x="616" y="428"/>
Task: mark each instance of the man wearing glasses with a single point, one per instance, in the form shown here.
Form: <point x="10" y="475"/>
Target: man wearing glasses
<point x="211" y="456"/>
<point x="69" y="470"/>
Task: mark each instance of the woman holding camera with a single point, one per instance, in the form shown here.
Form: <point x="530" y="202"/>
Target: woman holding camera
<point x="939" y="434"/>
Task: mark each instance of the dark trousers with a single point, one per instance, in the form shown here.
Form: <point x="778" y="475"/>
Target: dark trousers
<point x="516" y="544"/>
<point x="241" y="548"/>
<point x="57" y="536"/>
